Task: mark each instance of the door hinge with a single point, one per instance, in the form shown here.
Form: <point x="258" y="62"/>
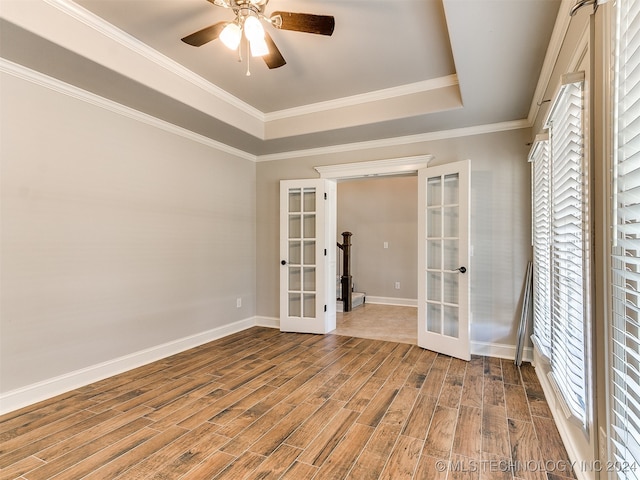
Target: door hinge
<point x="325" y="252"/>
<point x="325" y="195"/>
<point x="325" y="308"/>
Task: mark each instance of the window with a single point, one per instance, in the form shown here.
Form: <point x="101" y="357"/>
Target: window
<point x="541" y="236"/>
<point x="625" y="262"/>
<point x="561" y="248"/>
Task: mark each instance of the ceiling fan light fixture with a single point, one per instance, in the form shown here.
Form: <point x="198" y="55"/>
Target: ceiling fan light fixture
<point x="259" y="47"/>
<point x="231" y="35"/>
<point x="253" y="29"/>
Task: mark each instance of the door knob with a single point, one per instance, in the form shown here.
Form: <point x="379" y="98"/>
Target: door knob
<point x="462" y="269"/>
<point x="283" y="262"/>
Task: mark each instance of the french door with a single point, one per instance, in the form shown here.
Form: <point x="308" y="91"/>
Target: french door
<point x="307" y="256"/>
<point x="443" y="259"/>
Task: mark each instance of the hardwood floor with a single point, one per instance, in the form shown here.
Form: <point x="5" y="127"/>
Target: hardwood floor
<point x="262" y="404"/>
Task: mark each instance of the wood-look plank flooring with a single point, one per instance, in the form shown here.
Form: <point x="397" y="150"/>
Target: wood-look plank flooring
<point x="261" y="404"/>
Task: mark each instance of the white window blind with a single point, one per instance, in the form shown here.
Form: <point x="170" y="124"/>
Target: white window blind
<point x="625" y="261"/>
<point x="541" y="229"/>
<point x="569" y="247"/>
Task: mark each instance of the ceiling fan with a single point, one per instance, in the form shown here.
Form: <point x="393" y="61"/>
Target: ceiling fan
<point x="249" y="17"/>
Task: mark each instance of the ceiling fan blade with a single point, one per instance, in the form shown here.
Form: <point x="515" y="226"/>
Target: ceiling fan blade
<point x="305" y="22"/>
<point x="274" y="58"/>
<point x="205" y="35"/>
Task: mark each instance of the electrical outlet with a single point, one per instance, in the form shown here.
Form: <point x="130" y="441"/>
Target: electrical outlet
<point x="238" y="302"/>
<point x="397" y="285"/>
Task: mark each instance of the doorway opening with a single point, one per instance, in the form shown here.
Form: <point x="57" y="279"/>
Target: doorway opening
<point x="377" y="318"/>
<point x="381" y="214"/>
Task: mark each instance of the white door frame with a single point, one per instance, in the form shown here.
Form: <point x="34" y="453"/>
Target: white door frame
<point x="375" y="168"/>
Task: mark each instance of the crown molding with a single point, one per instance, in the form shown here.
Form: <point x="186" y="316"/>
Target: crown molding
<point x="396" y="141"/>
<point x="51" y="83"/>
<point x="59" y="86"/>
<point x="375" y="96"/>
<point x="99" y="24"/>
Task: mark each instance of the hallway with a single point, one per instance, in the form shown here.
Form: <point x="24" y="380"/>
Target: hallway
<point x="379" y="322"/>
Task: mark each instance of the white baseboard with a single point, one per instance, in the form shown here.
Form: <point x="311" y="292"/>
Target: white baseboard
<point x="500" y="350"/>
<point x="30" y="394"/>
<point x="401" y="302"/>
<point x="270" y="322"/>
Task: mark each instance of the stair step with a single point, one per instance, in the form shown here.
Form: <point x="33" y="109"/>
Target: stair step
<point x="357" y="299"/>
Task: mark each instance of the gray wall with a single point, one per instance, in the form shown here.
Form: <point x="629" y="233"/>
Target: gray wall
<point x="378" y="210"/>
<point x="500" y="221"/>
<point x="117" y="236"/>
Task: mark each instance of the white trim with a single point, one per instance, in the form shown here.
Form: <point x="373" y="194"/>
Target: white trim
<point x="401" y="302"/>
<point x="43" y="390"/>
<point x="375" y="96"/>
<point x="392" y="166"/>
<point x="59" y="86"/>
<point x="553" y="51"/>
<point x="562" y="423"/>
<point x="99" y="24"/>
<point x="51" y="387"/>
<point x="24" y="73"/>
<point x="397" y="141"/>
<point x="500" y="350"/>
<point x="497" y="350"/>
<point x="269" y="322"/>
<point x="537" y="144"/>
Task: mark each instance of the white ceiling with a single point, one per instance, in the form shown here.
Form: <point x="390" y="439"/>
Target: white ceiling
<point x="392" y="67"/>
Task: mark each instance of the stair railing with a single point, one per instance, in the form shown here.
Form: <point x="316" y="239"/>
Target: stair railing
<point x="345" y="280"/>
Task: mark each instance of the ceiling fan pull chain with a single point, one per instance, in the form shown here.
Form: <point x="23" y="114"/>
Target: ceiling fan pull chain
<point x="248" y="59"/>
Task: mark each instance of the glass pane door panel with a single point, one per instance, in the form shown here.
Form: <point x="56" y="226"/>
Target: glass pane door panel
<point x="451" y="321"/>
<point x="434" y="222"/>
<point x="309" y="305"/>
<point x="295" y="230"/>
<point x="295" y="280"/>
<point x="434" y="317"/>
<point x="450" y="223"/>
<point x="450" y="193"/>
<point x="309" y="226"/>
<point x="309" y="253"/>
<point x="309" y="199"/>
<point x="434" y="191"/>
<point x="295" y="248"/>
<point x="295" y="196"/>
<point x="434" y="286"/>
<point x="443" y="307"/>
<point x="295" y="305"/>
<point x="450" y="255"/>
<point x="309" y="279"/>
<point x="450" y="290"/>
<point x="434" y="254"/>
